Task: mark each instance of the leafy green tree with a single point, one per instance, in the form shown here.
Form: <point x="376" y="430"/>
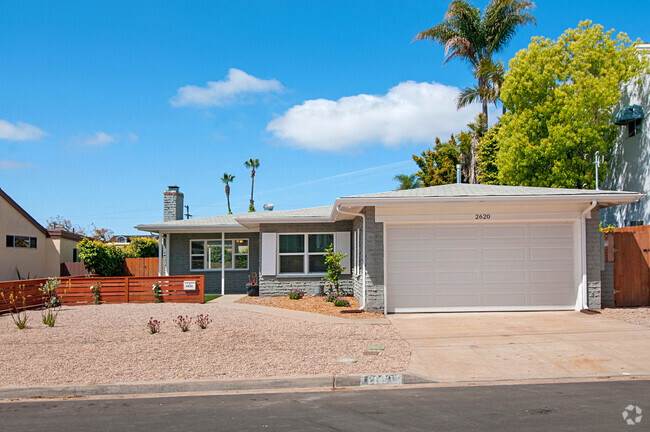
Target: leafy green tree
<point x="227" y="178"/>
<point x="252" y="164"/>
<point x="472" y="36"/>
<point x="334" y="268"/>
<point x="105" y="260"/>
<point x="142" y="247"/>
<point x="407" y="181"/>
<point x="560" y="97"/>
<point x="488" y="150"/>
<point x="438" y="164"/>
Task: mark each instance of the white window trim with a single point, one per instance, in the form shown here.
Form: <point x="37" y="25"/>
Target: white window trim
<point x="357" y="238"/>
<point x="205" y="254"/>
<point x="304" y="254"/>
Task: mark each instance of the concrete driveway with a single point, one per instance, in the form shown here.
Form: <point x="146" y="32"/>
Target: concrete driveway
<point x="522" y="345"/>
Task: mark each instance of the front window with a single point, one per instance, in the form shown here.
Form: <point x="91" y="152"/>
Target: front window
<point x="303" y="253"/>
<point x="208" y="254"/>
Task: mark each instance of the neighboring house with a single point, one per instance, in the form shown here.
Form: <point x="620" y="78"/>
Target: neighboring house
<point x="456" y="247"/>
<point x="629" y="162"/>
<point x="123" y="240"/>
<point x="27" y="248"/>
<point x="66" y="243"/>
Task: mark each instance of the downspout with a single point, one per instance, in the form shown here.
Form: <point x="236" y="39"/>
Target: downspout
<point x="583" y="220"/>
<point x="362" y="306"/>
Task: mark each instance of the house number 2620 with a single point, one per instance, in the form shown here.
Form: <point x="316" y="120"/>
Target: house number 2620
<point x="482" y="216"/>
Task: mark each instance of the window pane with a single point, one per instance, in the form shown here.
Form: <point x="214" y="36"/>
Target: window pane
<point x="22" y="242"/>
<point x="32" y="242"/>
<point x="320" y="242"/>
<point x="317" y="264"/>
<point x="214" y="255"/>
<point x="228" y="254"/>
<point x="10" y="241"/>
<point x="292" y="243"/>
<point x="197" y="263"/>
<point x="197" y="247"/>
<point x="292" y="264"/>
<point x="241" y="246"/>
<point x="241" y="261"/>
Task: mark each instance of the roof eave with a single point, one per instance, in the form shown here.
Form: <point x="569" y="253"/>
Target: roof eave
<point x="256" y="221"/>
<point x="189" y="228"/>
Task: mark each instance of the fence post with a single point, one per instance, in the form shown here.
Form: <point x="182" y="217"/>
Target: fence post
<point x="202" y="289"/>
<point x="126" y="289"/>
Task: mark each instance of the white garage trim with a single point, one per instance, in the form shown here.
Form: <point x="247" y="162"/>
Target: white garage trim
<point x="566" y="297"/>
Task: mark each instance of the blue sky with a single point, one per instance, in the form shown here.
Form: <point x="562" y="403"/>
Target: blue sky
<point x="104" y="104"/>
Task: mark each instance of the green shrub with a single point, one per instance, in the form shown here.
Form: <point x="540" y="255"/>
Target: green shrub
<point x="100" y="258"/>
<point x="296" y="294"/>
<point x="341" y="302"/>
<point x="142" y="247"/>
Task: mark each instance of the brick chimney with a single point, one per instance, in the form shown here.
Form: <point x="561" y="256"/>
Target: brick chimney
<point x="173" y="204"/>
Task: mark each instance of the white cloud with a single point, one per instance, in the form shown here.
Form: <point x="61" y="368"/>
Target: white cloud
<point x="132" y="137"/>
<point x="19" y="131"/>
<point x="99" y="139"/>
<point x="409" y="112"/>
<point x="9" y="164"/>
<point x="236" y="84"/>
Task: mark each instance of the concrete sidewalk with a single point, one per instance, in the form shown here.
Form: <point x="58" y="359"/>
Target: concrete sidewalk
<point x="229" y="301"/>
<point x="452" y="347"/>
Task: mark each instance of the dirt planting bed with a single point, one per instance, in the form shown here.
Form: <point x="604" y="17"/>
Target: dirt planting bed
<point x="635" y="315"/>
<point x="111" y="344"/>
<point x="314" y="304"/>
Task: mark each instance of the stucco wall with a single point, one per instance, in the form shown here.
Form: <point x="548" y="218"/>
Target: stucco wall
<point x="282" y="285"/>
<point x="629" y="162"/>
<point x="235" y="280"/>
<point x="40" y="262"/>
<point x="64" y="248"/>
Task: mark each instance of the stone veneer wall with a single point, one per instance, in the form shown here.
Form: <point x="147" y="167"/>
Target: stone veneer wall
<point x="594" y="259"/>
<point x="235" y="279"/>
<point x="607" y="287"/>
<point x="374" y="262"/>
<point x="282" y="285"/>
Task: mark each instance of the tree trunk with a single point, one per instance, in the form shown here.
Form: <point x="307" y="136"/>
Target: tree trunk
<point x="472" y="160"/>
<point x="252" y="205"/>
<point x="482" y="84"/>
<point x="228" y="197"/>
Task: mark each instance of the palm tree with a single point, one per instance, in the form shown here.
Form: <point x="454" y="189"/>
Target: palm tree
<point x="493" y="73"/>
<point x="474" y="37"/>
<point x="252" y="164"/>
<point x="227" y="178"/>
<point x="407" y="181"/>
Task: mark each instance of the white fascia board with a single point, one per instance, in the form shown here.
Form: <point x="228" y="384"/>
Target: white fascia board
<point x="313" y="219"/>
<point x="603" y="199"/>
<point x="192" y="228"/>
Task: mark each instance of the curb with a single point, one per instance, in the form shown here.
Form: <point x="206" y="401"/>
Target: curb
<point x="145" y="388"/>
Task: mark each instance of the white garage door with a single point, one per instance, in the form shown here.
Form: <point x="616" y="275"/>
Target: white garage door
<point x="487" y="267"/>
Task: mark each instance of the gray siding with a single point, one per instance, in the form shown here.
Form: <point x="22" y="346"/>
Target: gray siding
<point x="282" y="285"/>
<point x="594" y="259"/>
<point x="235" y="279"/>
<point x="374" y="262"/>
<point x="607" y="287"/>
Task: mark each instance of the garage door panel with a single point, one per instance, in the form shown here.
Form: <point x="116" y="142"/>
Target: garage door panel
<point x="512" y="276"/>
<point x="504" y="254"/>
<point x="485" y="266"/>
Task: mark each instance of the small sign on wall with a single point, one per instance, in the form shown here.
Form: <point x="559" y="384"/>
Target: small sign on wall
<point x="189" y="285"/>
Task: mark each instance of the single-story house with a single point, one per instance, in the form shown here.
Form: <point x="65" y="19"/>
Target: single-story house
<point x="456" y="247"/>
<point x="28" y="249"/>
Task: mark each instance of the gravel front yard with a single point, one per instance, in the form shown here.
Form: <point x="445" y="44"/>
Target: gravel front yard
<point x="634" y="315"/>
<point x="111" y="344"/>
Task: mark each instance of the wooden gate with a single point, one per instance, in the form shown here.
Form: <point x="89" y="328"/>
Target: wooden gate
<point x="141" y="267"/>
<point x="631" y="247"/>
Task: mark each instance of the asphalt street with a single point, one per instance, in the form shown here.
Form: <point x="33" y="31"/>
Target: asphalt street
<point x="595" y="406"/>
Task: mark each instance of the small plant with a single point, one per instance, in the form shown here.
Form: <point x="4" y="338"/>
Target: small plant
<point x="183" y="322"/>
<point x="203" y="320"/>
<point x="49" y="316"/>
<point x="154" y="325"/>
<point x="341" y="302"/>
<point x="334" y="268"/>
<point x="18" y="316"/>
<point x="156" y="292"/>
<point x="96" y="289"/>
<point x="296" y="294"/>
<point x="608" y="229"/>
<point x="253" y="280"/>
<point x="51" y="301"/>
<point x="330" y="297"/>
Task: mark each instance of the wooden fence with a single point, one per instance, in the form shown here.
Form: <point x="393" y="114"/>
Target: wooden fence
<point x="141" y="267"/>
<point x="629" y="249"/>
<point x="76" y="291"/>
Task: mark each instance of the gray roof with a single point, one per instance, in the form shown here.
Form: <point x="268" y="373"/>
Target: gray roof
<point x="480" y="190"/>
<point x="312" y="212"/>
